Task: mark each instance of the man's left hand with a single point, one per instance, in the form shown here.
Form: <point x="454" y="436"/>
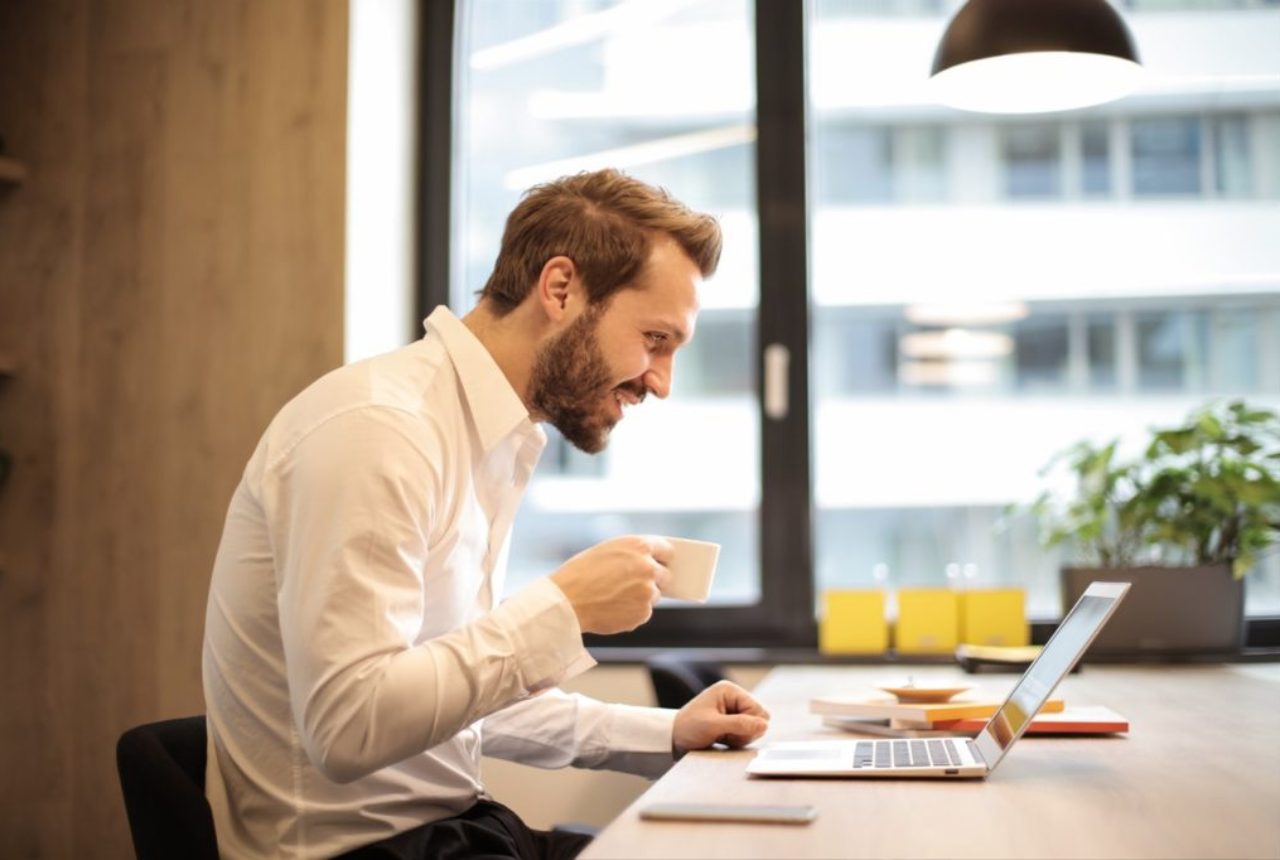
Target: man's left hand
<point x="723" y="713"/>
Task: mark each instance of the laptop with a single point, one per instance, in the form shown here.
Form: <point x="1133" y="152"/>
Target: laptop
<point x="955" y="757"/>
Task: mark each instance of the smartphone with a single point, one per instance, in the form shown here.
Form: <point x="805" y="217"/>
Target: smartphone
<point x="729" y="812"/>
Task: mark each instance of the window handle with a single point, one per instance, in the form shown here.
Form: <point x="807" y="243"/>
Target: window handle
<point x="777" y="365"/>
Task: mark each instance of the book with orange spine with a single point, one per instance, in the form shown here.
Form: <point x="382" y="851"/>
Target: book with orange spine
<point x="931" y="713"/>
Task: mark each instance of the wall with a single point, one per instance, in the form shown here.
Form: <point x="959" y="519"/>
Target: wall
<point x="170" y="273"/>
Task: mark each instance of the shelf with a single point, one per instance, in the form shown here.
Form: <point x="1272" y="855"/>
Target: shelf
<point x="11" y="171"/>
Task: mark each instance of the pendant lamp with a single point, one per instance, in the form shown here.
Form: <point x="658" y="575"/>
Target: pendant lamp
<point x="1028" y="56"/>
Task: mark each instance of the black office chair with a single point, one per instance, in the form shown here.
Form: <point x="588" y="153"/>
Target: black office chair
<point x="161" y="768"/>
<point x="677" y="678"/>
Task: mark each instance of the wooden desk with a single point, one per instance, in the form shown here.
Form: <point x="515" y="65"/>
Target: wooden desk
<point x="1198" y="776"/>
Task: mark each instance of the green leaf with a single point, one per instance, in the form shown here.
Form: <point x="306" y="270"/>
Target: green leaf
<point x="1244" y="445"/>
<point x="1257" y="493"/>
<point x="1255" y="416"/>
<point x="1178" y="441"/>
<point x="1210" y="427"/>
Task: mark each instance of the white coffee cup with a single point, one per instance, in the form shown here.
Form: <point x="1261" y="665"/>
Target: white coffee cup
<point x="692" y="567"/>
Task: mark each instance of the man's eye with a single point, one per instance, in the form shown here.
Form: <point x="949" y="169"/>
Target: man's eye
<point x="656" y="338"/>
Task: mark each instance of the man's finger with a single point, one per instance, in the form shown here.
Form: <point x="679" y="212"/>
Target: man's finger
<point x="738" y="701"/>
<point x="661" y="577"/>
<point x="742" y="730"/>
<point x="660" y="548"/>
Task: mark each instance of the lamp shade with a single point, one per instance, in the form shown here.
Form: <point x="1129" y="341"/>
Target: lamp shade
<point x="1026" y="56"/>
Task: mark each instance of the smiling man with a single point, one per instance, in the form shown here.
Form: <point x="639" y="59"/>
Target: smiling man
<point x="357" y="661"/>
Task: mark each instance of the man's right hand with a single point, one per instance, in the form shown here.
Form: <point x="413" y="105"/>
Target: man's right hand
<point x="614" y="585"/>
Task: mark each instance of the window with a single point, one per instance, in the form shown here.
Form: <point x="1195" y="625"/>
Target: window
<point x="1083" y="275"/>
<point x="1041" y="355"/>
<point x="1233" y="350"/>
<point x="1233" y="157"/>
<point x="1170" y="350"/>
<point x="966" y="297"/>
<point x="860" y="350"/>
<point x="548" y="88"/>
<point x="1032" y="160"/>
<point x="853" y="165"/>
<point x="1095" y="153"/>
<point x="541" y="99"/>
<point x="1101" y="345"/>
<point x="1166" y="156"/>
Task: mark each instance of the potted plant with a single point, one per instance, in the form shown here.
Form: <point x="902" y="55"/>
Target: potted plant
<point x="1184" y="521"/>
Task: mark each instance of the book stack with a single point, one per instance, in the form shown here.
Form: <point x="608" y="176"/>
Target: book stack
<point x="880" y="715"/>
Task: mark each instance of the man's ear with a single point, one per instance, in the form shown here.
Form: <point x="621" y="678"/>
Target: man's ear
<point x="557" y="287"/>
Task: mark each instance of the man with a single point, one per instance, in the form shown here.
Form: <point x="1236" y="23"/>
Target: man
<point x="356" y="660"/>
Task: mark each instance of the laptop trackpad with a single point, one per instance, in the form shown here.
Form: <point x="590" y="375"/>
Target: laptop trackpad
<point x="804" y="757"/>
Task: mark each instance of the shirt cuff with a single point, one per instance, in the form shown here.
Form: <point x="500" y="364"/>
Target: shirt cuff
<point x="637" y="729"/>
<point x="545" y="631"/>
<point x="640" y="740"/>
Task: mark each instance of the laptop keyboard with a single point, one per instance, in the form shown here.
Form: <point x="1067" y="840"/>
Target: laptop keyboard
<point x="906" y="753"/>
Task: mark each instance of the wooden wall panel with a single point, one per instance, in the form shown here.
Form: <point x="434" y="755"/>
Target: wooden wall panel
<point x="42" y="81"/>
<point x="170" y="274"/>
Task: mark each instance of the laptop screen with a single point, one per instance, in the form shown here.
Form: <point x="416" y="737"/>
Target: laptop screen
<point x="1064" y="648"/>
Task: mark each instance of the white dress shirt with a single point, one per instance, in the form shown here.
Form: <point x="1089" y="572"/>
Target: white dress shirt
<point x="353" y="641"/>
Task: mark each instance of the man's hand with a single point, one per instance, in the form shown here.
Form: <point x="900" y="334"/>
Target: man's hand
<point x="614" y="585"/>
<point x="723" y="713"/>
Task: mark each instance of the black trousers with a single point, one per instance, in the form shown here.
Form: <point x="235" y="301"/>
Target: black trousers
<point x="486" y="830"/>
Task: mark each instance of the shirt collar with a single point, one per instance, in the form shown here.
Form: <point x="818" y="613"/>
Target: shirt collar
<point x="495" y="407"/>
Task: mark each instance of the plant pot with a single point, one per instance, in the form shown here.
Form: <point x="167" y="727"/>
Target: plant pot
<point x="1168" y="611"/>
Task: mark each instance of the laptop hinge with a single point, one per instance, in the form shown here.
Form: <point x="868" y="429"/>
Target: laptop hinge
<point x="974" y="751"/>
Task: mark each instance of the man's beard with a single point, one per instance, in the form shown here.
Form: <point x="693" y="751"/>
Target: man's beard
<point x="570" y="382"/>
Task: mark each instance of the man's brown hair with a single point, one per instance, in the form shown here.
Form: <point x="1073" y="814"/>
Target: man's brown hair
<point x="606" y="223"/>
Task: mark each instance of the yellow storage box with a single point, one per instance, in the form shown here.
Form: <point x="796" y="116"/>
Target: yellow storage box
<point x="994" y="616"/>
<point x="853" y="622"/>
<point x="928" y="621"/>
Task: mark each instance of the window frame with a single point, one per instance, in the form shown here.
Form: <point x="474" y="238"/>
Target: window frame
<point x="784" y="615"/>
<point x="784" y="618"/>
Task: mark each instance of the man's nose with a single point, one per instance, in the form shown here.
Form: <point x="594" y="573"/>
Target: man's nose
<point x="658" y="377"/>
